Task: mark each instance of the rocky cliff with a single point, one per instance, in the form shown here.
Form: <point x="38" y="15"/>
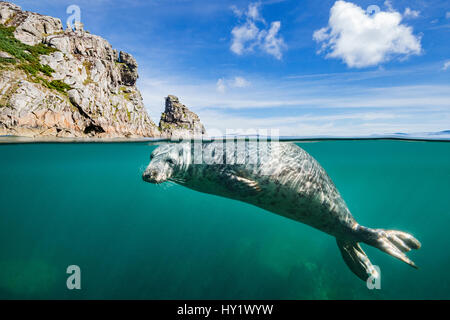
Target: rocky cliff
<point x="178" y="121"/>
<point x="66" y="83"/>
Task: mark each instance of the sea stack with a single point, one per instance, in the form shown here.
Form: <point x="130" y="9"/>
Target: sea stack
<point x="178" y="122"/>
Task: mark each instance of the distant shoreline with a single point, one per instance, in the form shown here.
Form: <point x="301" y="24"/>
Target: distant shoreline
<point x="49" y="140"/>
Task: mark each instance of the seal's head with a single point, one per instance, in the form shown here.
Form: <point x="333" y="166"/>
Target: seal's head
<point x="164" y="163"/>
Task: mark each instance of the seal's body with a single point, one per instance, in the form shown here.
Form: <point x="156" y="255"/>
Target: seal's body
<point x="281" y="178"/>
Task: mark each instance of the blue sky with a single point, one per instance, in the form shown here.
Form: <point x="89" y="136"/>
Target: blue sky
<point x="302" y="67"/>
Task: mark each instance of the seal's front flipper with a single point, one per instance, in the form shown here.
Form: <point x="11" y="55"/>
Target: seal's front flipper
<point x="243" y="185"/>
<point x="356" y="259"/>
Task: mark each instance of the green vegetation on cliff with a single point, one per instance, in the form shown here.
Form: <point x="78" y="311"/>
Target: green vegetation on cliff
<point x="26" y="56"/>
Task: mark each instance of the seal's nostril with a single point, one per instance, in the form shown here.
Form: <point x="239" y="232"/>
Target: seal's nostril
<point x="146" y="176"/>
<point x="150" y="176"/>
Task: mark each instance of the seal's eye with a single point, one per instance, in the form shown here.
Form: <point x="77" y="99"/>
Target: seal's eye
<point x="170" y="161"/>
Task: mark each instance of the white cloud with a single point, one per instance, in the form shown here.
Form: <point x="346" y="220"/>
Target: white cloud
<point x="236" y="11"/>
<point x="220" y="85"/>
<point x="411" y="13"/>
<point x="388" y="5"/>
<point x="446" y="65"/>
<point x="237" y="82"/>
<point x="363" y="40"/>
<point x="253" y="12"/>
<point x="240" y="82"/>
<point x="245" y="38"/>
<point x="253" y="33"/>
<point x="447" y="14"/>
<point x="321" y="34"/>
<point x="272" y="44"/>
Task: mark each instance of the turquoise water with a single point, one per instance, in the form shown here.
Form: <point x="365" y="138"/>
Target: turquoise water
<point x="86" y="204"/>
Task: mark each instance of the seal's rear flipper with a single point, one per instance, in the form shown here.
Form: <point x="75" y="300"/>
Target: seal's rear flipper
<point x="393" y="242"/>
<point x="356" y="259"/>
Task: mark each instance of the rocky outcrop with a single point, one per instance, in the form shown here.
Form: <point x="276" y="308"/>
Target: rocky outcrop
<point x="30" y="27"/>
<point x="79" y="88"/>
<point x="178" y="122"/>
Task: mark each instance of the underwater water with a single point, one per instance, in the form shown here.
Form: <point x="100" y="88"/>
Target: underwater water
<point x="87" y="205"/>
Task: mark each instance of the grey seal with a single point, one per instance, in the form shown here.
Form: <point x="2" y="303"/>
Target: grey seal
<point x="282" y="178"/>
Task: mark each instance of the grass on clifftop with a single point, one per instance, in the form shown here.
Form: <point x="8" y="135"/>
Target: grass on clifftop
<point x="25" y="56"/>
